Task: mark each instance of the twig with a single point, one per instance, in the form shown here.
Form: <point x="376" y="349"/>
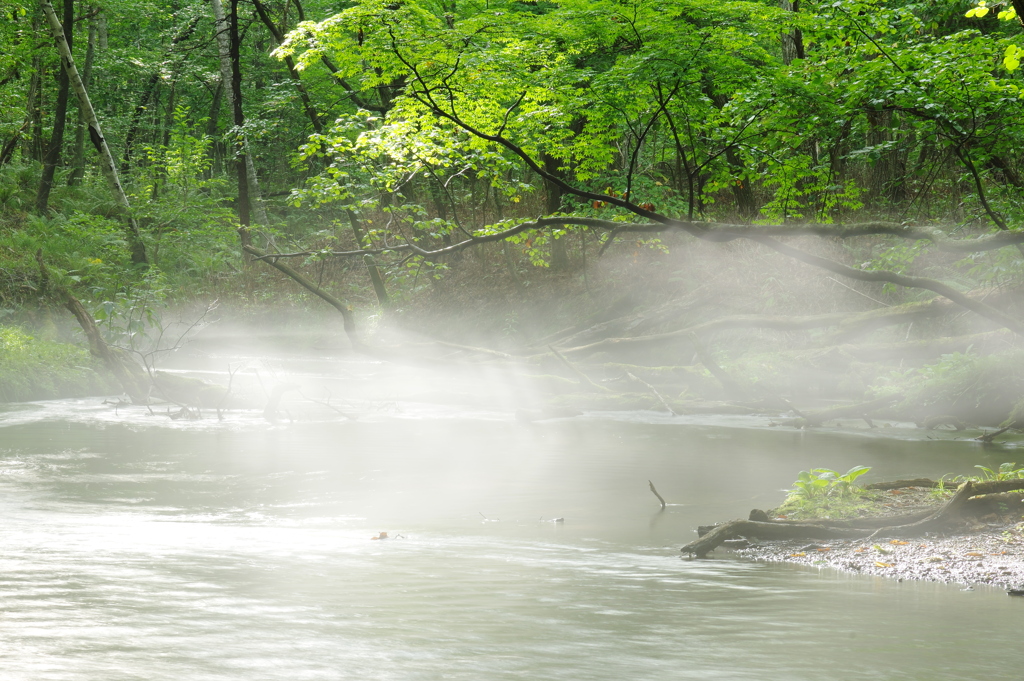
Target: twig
<point x="224" y="397"/>
<point x="583" y="378"/>
<point x="327" y="403"/>
<point x="660" y="397"/>
<point x="469" y="348"/>
<point x="861" y="293"/>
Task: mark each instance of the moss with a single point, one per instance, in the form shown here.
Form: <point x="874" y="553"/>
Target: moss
<point x="33" y="369"/>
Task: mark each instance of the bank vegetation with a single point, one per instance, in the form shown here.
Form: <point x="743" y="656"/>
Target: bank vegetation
<point x="808" y="209"/>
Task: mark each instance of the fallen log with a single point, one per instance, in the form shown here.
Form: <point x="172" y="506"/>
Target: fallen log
<point x="860" y="410"/>
<point x="871" y="524"/>
<point x="900" y="484"/>
<point x="914" y="524"/>
<point x="767" y="530"/>
<point x="847" y="326"/>
<point x="950" y="513"/>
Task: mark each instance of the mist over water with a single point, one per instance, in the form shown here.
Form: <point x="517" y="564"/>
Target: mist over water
<point x="137" y="547"/>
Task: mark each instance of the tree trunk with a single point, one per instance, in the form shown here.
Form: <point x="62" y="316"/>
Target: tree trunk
<point x="293" y="73"/>
<point x="909" y="525"/>
<point x="376" y="278"/>
<point x="78" y="160"/>
<point x="107" y="163"/>
<point x="34" y="141"/>
<point x="792" y="41"/>
<point x="147" y="93"/>
<point x="128" y="373"/>
<point x="746" y="204"/>
<point x="887" y="179"/>
<point x="8" y="151"/>
<point x="553" y="204"/>
<point x="60" y="117"/>
<point x="231" y="75"/>
<point x="136" y="121"/>
<point x="217" y="147"/>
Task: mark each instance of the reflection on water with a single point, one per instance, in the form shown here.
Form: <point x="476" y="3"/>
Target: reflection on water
<point x="138" y="548"/>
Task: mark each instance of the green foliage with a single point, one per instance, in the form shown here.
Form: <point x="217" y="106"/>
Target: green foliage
<point x="32" y="369"/>
<point x="822" y="482"/>
<point x="824" y="492"/>
<point x="432" y="120"/>
<point x="977" y="389"/>
<point x="1006" y="471"/>
<point x="807" y="191"/>
<point x="131" y="318"/>
<point x="1003" y="267"/>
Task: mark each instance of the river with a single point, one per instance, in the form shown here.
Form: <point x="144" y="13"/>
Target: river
<point x="138" y="547"/>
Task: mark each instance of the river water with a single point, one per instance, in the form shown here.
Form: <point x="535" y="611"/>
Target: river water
<point x="137" y="547"/>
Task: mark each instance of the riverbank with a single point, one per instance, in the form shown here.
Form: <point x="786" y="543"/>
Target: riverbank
<point x="993" y="556"/>
<point x="35" y="369"/>
<point x="988" y="550"/>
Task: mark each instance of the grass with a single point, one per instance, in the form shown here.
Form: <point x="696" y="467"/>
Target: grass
<point x="34" y="369"/>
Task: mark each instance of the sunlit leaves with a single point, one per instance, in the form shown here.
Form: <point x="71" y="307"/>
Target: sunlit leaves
<point x="981" y="10"/>
<point x="1012" y="57"/>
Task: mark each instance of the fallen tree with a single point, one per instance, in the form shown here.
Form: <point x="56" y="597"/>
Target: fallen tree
<point x="348" y="319"/>
<point x="129" y="374"/>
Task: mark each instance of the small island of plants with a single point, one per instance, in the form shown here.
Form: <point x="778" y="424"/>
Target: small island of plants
<point x="965" y="529"/>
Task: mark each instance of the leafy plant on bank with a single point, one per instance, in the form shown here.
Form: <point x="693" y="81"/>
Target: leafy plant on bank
<point x="822" y="492"/>
<point x="1005" y="471"/>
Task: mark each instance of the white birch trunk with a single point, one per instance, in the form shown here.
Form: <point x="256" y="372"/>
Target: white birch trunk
<point x="107" y="163"/>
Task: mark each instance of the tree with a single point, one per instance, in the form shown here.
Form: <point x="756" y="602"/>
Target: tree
<point x="108" y="165"/>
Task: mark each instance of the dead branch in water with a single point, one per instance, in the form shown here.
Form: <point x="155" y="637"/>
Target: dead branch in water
<point x="860" y="410"/>
<point x="660" y="397"/>
<point x="656" y="494"/>
<point x="583" y="378"/>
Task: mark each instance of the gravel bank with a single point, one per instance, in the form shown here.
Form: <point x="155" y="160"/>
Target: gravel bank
<point x="984" y="558"/>
<point x="993" y="554"/>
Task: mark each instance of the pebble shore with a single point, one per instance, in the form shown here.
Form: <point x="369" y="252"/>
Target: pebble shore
<point x="987" y="557"/>
<point x="991" y="554"/>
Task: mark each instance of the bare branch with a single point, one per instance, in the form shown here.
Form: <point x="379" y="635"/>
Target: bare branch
<point x="945" y="290"/>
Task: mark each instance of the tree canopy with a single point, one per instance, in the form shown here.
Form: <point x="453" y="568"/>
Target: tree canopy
<point x="366" y="147"/>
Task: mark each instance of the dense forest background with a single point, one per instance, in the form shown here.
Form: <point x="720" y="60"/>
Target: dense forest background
<point x="757" y="201"/>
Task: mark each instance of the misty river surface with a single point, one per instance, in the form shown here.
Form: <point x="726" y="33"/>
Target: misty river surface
<point x="136" y="547"/>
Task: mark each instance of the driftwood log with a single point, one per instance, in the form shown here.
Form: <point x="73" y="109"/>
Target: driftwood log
<point x="948" y="516"/>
